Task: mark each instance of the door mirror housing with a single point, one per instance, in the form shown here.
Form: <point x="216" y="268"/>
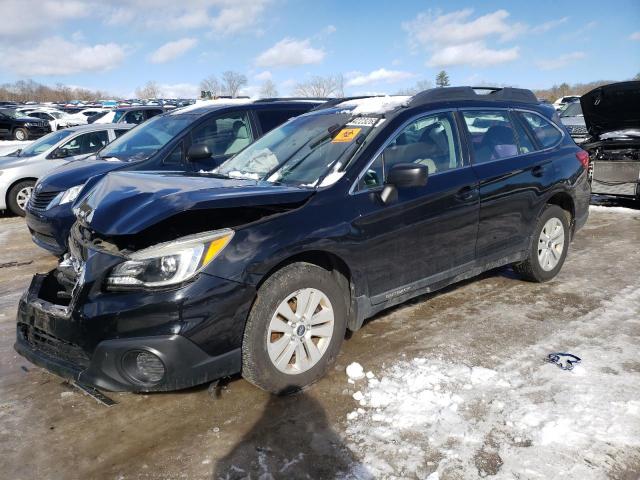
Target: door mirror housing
<point x="199" y="151"/>
<point x="61" y="153"/>
<point x="403" y="175"/>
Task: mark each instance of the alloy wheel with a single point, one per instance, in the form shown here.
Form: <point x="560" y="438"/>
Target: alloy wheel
<point x="551" y="244"/>
<point x="300" y="331"/>
<point x="23" y="196"/>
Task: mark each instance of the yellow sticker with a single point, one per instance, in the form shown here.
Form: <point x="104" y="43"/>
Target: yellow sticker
<point x="346" y="135"/>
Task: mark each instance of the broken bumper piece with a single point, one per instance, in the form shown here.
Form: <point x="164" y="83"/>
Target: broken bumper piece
<point x="55" y="337"/>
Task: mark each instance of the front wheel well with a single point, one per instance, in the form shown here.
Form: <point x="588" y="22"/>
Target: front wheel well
<point x="329" y="261"/>
<point x="27" y="179"/>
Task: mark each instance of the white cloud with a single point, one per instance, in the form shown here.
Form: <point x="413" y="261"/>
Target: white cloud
<point x="76" y="58"/>
<point x="378" y="76"/>
<point x="546" y="26"/>
<point x="329" y="29"/>
<point x="290" y="52"/>
<point x="560" y="61"/>
<point x="264" y="76"/>
<point x="180" y="90"/>
<point x="171" y="50"/>
<point x="220" y="16"/>
<point x="457" y="38"/>
<point x="476" y="54"/>
<point x="22" y="18"/>
<point x="635" y="36"/>
<point x="457" y="27"/>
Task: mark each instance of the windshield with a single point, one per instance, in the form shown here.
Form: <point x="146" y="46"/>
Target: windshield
<point x="146" y="139"/>
<point x="56" y="114"/>
<point x="573" y="110"/>
<point x="301" y="151"/>
<point x="12" y="113"/>
<point x="45" y="143"/>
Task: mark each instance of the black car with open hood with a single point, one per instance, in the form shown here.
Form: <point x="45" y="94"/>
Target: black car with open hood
<point x="612" y="116"/>
<point x="260" y="265"/>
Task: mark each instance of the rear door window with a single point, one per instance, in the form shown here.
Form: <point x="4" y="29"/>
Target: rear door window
<point x="492" y="135"/>
<point x="134" y="116"/>
<point x="152" y="113"/>
<point x="224" y="135"/>
<point x="270" y="119"/>
<point x="545" y="132"/>
<point x="120" y="132"/>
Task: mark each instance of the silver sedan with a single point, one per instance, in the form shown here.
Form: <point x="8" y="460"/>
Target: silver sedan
<point x="20" y="170"/>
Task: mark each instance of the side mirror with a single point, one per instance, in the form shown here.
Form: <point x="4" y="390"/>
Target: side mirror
<point x="403" y="175"/>
<point x="199" y="151"/>
<point x="61" y="153"/>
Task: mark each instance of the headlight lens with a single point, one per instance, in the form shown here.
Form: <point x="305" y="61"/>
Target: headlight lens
<point x="169" y="263"/>
<point x="71" y="194"/>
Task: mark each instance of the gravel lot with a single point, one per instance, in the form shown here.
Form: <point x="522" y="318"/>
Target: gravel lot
<point x="458" y="388"/>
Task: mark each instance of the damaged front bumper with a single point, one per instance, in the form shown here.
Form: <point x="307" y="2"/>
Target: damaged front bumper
<point x="192" y="333"/>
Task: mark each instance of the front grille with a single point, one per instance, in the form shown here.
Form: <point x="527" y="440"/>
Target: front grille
<point x="53" y="346"/>
<point x="577" y="129"/>
<point x="41" y="200"/>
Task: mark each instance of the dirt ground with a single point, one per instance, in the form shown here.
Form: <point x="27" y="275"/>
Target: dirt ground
<point x="48" y="429"/>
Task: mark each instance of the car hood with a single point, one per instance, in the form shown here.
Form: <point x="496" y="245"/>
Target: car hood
<point x="125" y="203"/>
<point x="15" y="161"/>
<point x="612" y="107"/>
<point x="76" y="173"/>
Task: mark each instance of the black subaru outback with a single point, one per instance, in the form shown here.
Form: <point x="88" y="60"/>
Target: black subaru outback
<point x="261" y="265"/>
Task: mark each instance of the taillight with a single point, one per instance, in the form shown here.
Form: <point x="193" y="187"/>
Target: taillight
<point x="584" y="158"/>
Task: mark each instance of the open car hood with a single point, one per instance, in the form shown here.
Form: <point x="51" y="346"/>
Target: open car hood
<point x="126" y="203"/>
<point x="612" y="107"/>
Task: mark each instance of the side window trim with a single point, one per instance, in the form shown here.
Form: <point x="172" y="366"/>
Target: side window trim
<point x="353" y="190"/>
<point x="513" y="118"/>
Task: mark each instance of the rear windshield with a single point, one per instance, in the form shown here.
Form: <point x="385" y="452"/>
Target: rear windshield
<point x="573" y="110"/>
<point x="146" y="139"/>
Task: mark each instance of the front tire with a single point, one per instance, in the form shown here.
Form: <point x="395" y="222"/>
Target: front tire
<point x="20" y="134"/>
<point x="19" y="195"/>
<point x="549" y="246"/>
<point x="294" y="330"/>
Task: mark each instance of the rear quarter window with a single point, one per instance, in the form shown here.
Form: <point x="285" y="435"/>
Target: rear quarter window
<point x="544" y="131"/>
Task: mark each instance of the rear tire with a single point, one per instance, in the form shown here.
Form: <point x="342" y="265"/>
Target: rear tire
<point x="549" y="246"/>
<point x="286" y="346"/>
<point x="19" y="195"/>
<point x="20" y="134"/>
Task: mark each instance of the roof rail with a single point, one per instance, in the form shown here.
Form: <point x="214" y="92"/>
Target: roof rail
<point x="495" y="94"/>
<point x="284" y="99"/>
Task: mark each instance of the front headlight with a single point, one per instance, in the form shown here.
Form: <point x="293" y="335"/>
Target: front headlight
<point x="169" y="263"/>
<point x="71" y="194"/>
<point x="67" y="196"/>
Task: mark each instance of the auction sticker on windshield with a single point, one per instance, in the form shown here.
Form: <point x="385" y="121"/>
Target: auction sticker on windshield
<point x="346" y="135"/>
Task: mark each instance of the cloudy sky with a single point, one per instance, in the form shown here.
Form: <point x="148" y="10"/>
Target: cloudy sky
<point x="379" y="46"/>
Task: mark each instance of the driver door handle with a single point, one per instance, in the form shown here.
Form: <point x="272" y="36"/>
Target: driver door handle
<point x="466" y="193"/>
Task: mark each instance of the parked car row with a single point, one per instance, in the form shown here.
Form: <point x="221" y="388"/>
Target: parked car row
<point x="229" y="237"/>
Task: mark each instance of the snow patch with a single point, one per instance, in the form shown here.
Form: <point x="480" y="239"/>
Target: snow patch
<point x="430" y="418"/>
<point x="605" y="209"/>
<point x="355" y="371"/>
<point x="374" y="105"/>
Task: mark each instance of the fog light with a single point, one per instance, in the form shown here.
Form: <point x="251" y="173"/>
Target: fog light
<point x="143" y="366"/>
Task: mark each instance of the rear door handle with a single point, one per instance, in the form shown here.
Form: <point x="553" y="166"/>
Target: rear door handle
<point x="466" y="193"/>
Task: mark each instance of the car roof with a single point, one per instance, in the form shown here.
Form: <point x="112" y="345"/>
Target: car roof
<point x="139" y="107"/>
<point x="207" y="106"/>
<point x="91" y="127"/>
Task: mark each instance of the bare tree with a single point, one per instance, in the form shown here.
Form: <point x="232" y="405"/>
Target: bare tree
<point x="28" y="90"/>
<point x="150" y="90"/>
<point x="212" y="85"/>
<point x="331" y="86"/>
<point x="232" y="82"/>
<point x="268" y="89"/>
